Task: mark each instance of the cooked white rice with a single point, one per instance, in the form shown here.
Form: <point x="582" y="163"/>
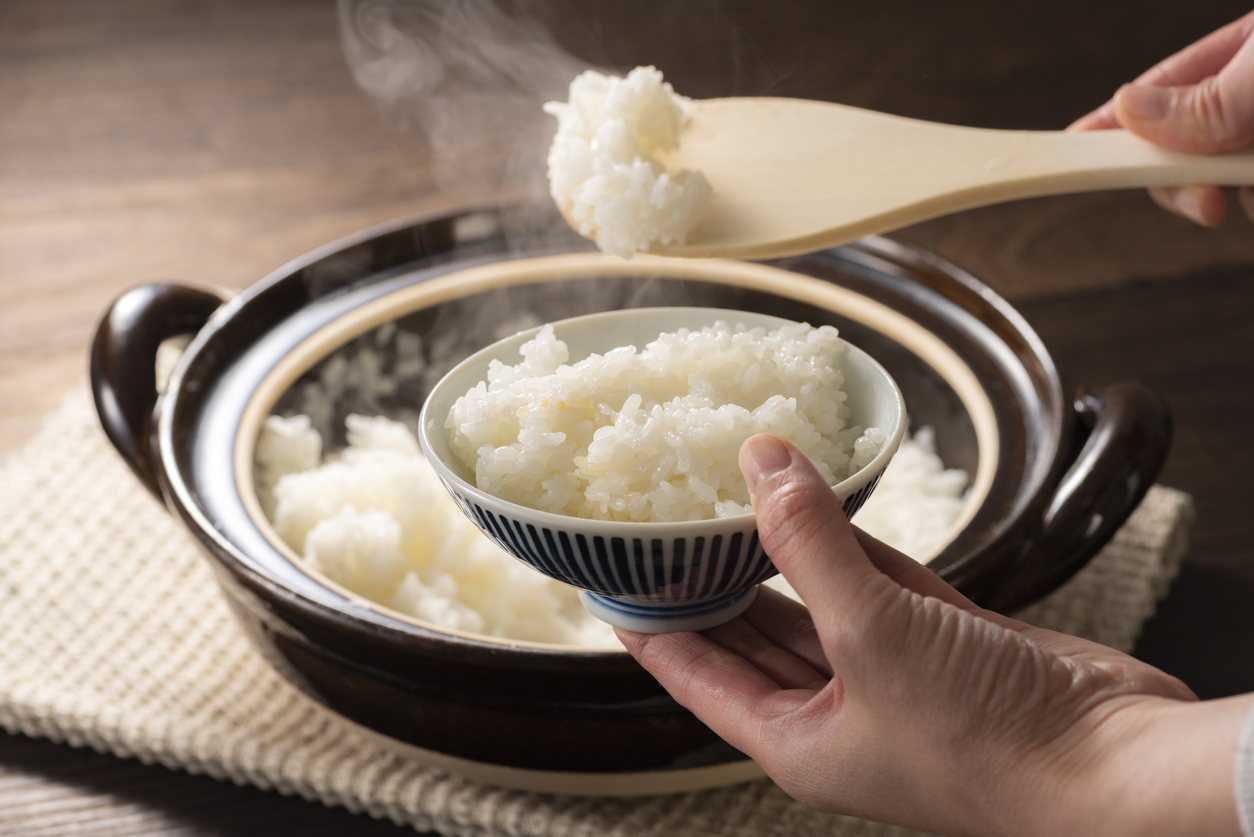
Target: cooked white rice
<point x="917" y="499"/>
<point x="603" y="170"/>
<point x="654" y="435"/>
<point x="377" y="520"/>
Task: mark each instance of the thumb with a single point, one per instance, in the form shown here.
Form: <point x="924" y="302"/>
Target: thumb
<point x="1212" y="116"/>
<point x="804" y="529"/>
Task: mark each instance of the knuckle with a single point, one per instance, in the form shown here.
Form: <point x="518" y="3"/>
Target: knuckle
<point x="794" y="517"/>
<point x="1228" y="124"/>
<point x="691" y="678"/>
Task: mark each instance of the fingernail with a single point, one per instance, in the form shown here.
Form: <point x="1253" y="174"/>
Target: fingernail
<point x="1187" y="204"/>
<point x="1144" y="101"/>
<point x="761" y="457"/>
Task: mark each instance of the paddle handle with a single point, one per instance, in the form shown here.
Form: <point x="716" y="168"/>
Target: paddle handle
<point x="792" y="176"/>
<point x="1056" y="162"/>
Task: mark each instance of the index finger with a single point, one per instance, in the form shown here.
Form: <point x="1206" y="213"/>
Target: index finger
<point x="727" y="692"/>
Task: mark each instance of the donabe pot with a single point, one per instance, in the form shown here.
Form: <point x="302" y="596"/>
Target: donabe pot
<point x="1053" y="476"/>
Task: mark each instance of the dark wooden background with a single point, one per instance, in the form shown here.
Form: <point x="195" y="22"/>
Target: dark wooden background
<point x="211" y="142"/>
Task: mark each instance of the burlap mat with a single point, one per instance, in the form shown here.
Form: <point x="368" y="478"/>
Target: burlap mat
<point x="115" y="637"/>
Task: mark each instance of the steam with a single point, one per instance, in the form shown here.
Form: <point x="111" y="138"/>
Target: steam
<point x="469" y="77"/>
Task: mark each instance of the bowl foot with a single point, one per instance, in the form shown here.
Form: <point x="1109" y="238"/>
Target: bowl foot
<point x="667" y="617"/>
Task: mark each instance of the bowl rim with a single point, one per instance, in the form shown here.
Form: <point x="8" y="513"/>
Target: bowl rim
<point x="433" y="448"/>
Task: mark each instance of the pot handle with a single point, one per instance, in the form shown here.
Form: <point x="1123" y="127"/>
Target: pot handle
<point x="1129" y="433"/>
<point x="124" y="364"/>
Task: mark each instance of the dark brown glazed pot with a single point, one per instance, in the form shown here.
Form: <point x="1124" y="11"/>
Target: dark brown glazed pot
<point x="1054" y="476"/>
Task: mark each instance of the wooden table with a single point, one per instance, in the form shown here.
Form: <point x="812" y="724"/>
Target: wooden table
<point x="144" y="139"/>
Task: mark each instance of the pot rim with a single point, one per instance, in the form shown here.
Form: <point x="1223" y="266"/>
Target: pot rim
<point x="870" y="251"/>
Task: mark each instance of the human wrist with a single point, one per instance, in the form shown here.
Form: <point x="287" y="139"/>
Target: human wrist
<point x="1145" y="766"/>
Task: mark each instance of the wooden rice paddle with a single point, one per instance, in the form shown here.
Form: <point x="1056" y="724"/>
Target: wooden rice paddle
<point x="792" y="176"/>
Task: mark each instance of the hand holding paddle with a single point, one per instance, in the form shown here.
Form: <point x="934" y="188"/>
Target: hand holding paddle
<point x="1200" y="100"/>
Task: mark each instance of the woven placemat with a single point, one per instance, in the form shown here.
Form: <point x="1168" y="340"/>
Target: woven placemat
<point x="115" y="637"/>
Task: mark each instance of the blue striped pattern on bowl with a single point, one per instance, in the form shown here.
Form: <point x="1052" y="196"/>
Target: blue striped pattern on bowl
<point x="654" y="569"/>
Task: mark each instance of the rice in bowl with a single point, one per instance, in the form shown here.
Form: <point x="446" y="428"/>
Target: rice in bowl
<point x="654" y="435"/>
